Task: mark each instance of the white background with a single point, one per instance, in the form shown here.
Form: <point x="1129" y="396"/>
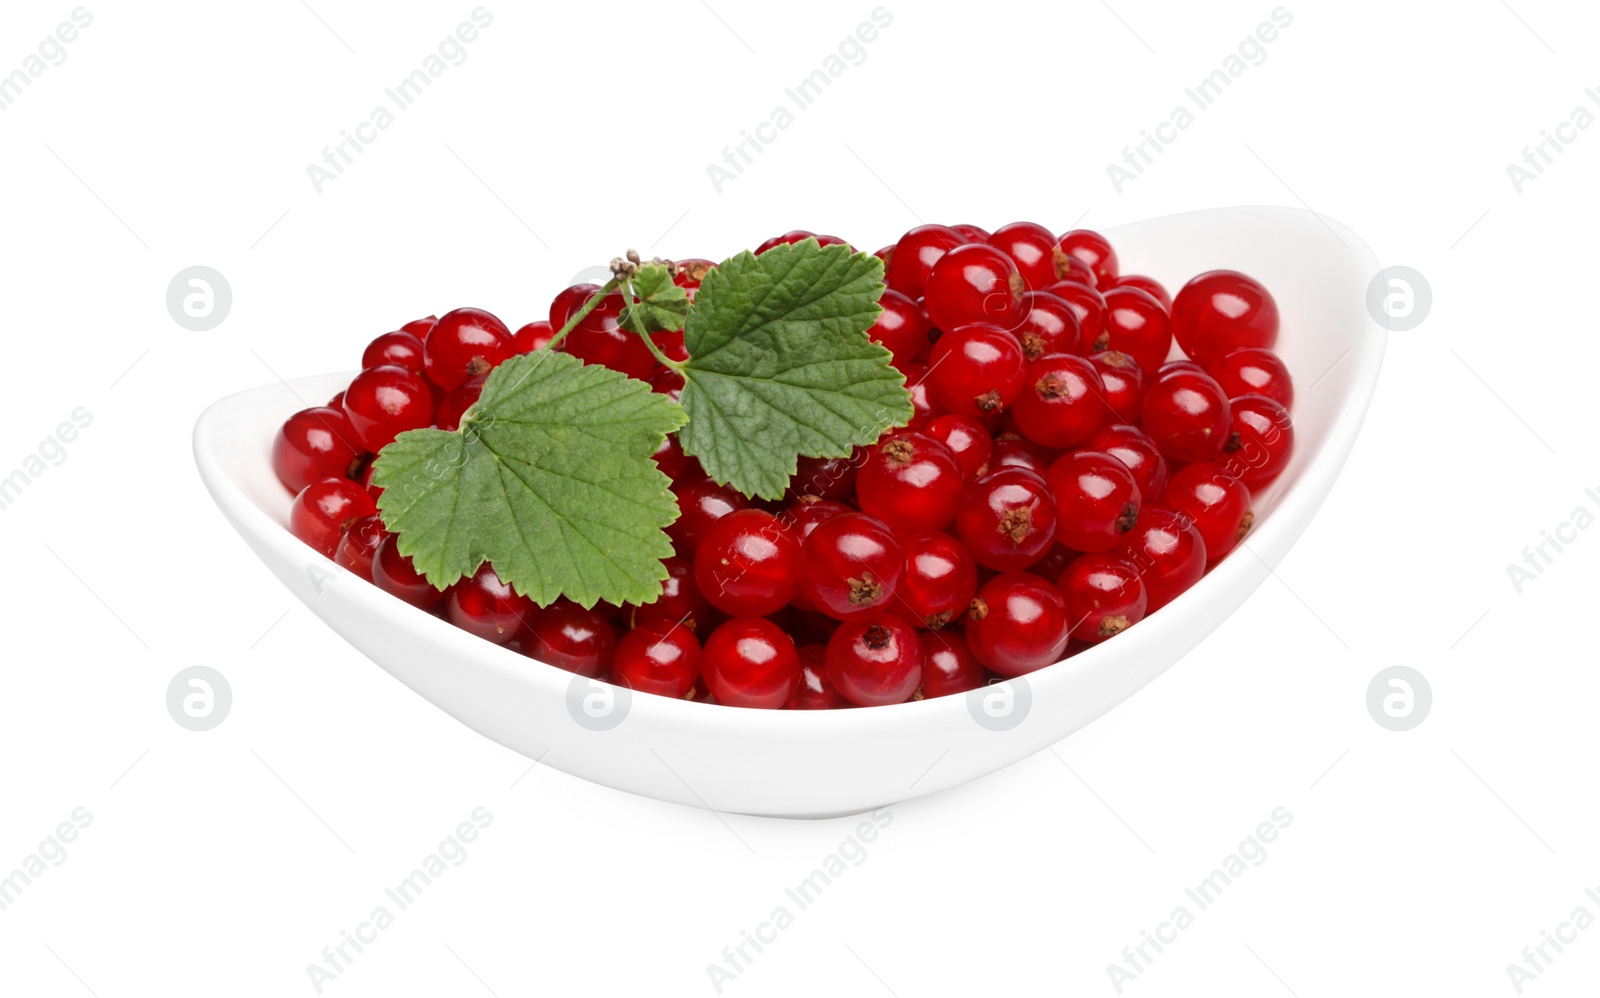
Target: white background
<point x="222" y="863"/>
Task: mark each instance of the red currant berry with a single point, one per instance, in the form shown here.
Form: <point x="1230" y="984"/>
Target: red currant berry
<point x="314" y="444"/>
<point x="975" y="370"/>
<point x="1174" y="366"/>
<point x="750" y="662"/>
<point x="399" y="348"/>
<point x="910" y="480"/>
<point x="1254" y="371"/>
<point x="1070" y="268"/>
<point x="1221" y="311"/>
<point x="1169" y="552"/>
<point x="1012" y="451"/>
<point x="901" y="328"/>
<point x="1187" y="415"/>
<point x="1137" y="325"/>
<point x="974" y="283"/>
<point x="799" y="236"/>
<point x="1097" y="500"/>
<point x="1104" y="595"/>
<point x="1054" y="562"/>
<point x="324" y="510"/>
<point x="1032" y="248"/>
<point x="657" y="658"/>
<point x="1017" y="624"/>
<point x="923" y="408"/>
<point x="701" y="503"/>
<point x="533" y="336"/>
<point x="1134" y="448"/>
<point x="968" y="441"/>
<point x="1089" y="307"/>
<point x="1262" y="440"/>
<point x="805" y="513"/>
<point x="599" y="338"/>
<point x="827" y="477"/>
<point x="748" y="564"/>
<point x="1049" y="325"/>
<point x="948" y="665"/>
<point x="1093" y="249"/>
<point x="465" y="343"/>
<point x="1063" y="403"/>
<point x="814" y="691"/>
<point x="420" y="327"/>
<point x="667" y="382"/>
<point x="973" y="233"/>
<point x="359" y="546"/>
<point x="1007" y="519"/>
<point x="1149" y="285"/>
<point x="569" y="637"/>
<point x="875" y="661"/>
<point x="384" y="402"/>
<point x="940" y="580"/>
<point x="670" y="459"/>
<point x="1216" y="502"/>
<point x="1124" y="383"/>
<point x="692" y="271"/>
<point x="394" y="573"/>
<point x="455" y="405"/>
<point x="680" y="603"/>
<point x="851" y="564"/>
<point x="914" y="256"/>
<point x="484" y="605"/>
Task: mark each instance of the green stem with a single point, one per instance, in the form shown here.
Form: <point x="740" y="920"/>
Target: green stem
<point x="650" y="341"/>
<point x="583" y="313"/>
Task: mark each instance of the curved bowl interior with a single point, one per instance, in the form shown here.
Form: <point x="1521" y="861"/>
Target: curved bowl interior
<point x="817" y="763"/>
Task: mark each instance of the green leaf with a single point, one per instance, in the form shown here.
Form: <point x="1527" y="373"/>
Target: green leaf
<point x="780" y="364"/>
<point x="662" y="305"/>
<point x="549" y="479"/>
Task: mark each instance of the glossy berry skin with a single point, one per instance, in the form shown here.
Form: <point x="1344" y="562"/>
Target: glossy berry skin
<point x="923" y="407"/>
<point x="569" y="637"/>
<point x="399" y="348"/>
<point x="324" y="510"/>
<point x="948" y="665"/>
<point x="1070" y="268"/>
<point x="1261" y="442"/>
<point x="314" y="444"/>
<point x="1254" y="371"/>
<point x="1123" y="380"/>
<point x="692" y="271"/>
<point x="1049" y="325"/>
<point x="1149" y="285"/>
<point x="940" y="580"/>
<point x="814" y="691"/>
<point x="914" y="256"/>
<point x="967" y="439"/>
<point x="1187" y="416"/>
<point x="384" y="402"/>
<point x="973" y="233"/>
<point x="910" y="480"/>
<point x="974" y="283"/>
<point x="1007" y="519"/>
<point x="680" y="603"/>
<point x="1216" y="502"/>
<point x="1013" y="451"/>
<point x="798" y="236"/>
<point x="1167" y="549"/>
<point x="875" y="661"/>
<point x="1104" y="595"/>
<point x="851" y="565"/>
<point x="484" y="605"/>
<point x="533" y="336"/>
<point x="599" y="339"/>
<point x="1093" y="249"/>
<point x="420" y="327"/>
<point x="464" y="343"/>
<point x="976" y="370"/>
<point x="1017" y="624"/>
<point x="1221" y="311"/>
<point x="1032" y="248"/>
<point x="748" y="564"/>
<point x="455" y="405"/>
<point x="901" y="328"/>
<point x="670" y="459"/>
<point x="1137" y="452"/>
<point x="1088" y="305"/>
<point x="394" y="573"/>
<point x="657" y="658"/>
<point x="359" y="546"/>
<point x="1137" y="325"/>
<point x="805" y="513"/>
<point x="700" y="504"/>
<point x="1063" y="402"/>
<point x="1097" y="500"/>
<point x="750" y="662"/>
<point x="1181" y="364"/>
<point x="827" y="477"/>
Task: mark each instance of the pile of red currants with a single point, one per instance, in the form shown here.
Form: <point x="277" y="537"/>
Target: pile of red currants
<point x="1061" y="479"/>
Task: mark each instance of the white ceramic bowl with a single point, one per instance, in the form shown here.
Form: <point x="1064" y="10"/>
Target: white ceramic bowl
<point x="819" y="763"/>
